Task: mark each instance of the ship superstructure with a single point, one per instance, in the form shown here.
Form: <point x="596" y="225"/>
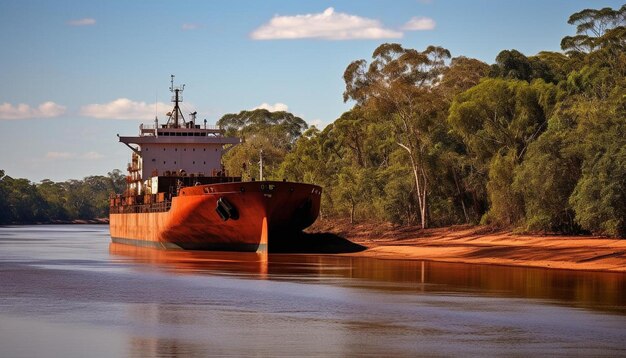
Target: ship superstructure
<point x="177" y="148"/>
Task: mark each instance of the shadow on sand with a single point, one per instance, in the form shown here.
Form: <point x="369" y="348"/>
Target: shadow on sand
<point x="315" y="243"/>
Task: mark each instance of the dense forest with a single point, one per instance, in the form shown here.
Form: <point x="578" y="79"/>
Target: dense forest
<point x="24" y="202"/>
<point x="530" y="143"/>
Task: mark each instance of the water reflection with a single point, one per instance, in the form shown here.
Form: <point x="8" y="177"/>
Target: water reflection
<point x="595" y="290"/>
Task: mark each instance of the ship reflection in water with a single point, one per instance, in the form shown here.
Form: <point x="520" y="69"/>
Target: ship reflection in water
<point x="66" y="291"/>
<point x="597" y="290"/>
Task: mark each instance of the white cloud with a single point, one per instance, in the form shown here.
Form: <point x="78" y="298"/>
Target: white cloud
<point x="59" y="155"/>
<point x="419" y="24"/>
<point x="276" y="107"/>
<point x="190" y="26"/>
<point x="87" y="21"/>
<point x="92" y="156"/>
<point x="24" y="111"/>
<point x="124" y="108"/>
<point x="329" y="25"/>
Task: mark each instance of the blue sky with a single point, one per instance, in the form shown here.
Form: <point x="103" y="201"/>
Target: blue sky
<point x="76" y="73"/>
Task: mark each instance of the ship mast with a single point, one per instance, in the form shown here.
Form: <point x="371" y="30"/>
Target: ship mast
<point x="176" y="112"/>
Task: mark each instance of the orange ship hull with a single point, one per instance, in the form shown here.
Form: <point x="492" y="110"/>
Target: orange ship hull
<point x="263" y="213"/>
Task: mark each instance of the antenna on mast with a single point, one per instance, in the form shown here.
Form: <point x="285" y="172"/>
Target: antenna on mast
<point x="176" y="98"/>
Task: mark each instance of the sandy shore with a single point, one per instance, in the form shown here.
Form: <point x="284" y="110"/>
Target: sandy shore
<point x="480" y="245"/>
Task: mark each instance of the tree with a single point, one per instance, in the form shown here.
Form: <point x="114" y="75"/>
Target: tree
<point x="400" y="87"/>
<point x="497" y="120"/>
<point x="117" y="181"/>
<point x="462" y="74"/>
<point x="5" y="209"/>
<point x="546" y="179"/>
<point x="274" y="133"/>
<point x="354" y="187"/>
<point x="282" y="128"/>
<point x="55" y="194"/>
<point x="591" y="27"/>
<point x="599" y="198"/>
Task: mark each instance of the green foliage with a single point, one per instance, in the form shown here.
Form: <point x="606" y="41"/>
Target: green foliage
<point x="506" y="205"/>
<point x="497" y="120"/>
<point x="591" y="26"/>
<point x="546" y="180"/>
<point x="281" y="128"/>
<point x="24" y="202"/>
<point x="271" y="133"/>
<point x="599" y="198"/>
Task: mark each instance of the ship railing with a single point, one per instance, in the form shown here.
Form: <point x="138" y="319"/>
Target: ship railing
<point x="142" y="208"/>
<point x="152" y="127"/>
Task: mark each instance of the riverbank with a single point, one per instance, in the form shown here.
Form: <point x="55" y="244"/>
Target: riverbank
<point x="481" y="245"/>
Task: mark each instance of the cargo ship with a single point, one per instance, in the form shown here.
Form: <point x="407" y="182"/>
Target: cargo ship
<point x="179" y="195"/>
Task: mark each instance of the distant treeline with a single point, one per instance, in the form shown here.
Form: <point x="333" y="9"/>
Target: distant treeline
<point x="22" y="201"/>
<point x="533" y="143"/>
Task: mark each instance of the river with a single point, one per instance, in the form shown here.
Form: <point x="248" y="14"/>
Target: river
<point x="66" y="291"/>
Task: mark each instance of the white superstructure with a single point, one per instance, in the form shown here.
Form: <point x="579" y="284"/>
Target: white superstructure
<point x="177" y="148"/>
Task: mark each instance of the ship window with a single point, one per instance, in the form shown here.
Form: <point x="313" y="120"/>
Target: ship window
<point x="205" y="149"/>
<point x="176" y="149"/>
<point x="164" y="149"/>
<point x="164" y="162"/>
<point x="204" y="162"/>
<point x="154" y="160"/>
<point x="194" y="162"/>
<point x="194" y="149"/>
<point x="174" y="162"/>
<point x="216" y="149"/>
<point x="185" y="149"/>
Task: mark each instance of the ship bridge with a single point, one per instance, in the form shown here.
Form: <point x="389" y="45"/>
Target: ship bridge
<point x="177" y="147"/>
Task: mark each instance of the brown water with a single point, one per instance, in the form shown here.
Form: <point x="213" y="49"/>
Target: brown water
<point x="65" y="291"/>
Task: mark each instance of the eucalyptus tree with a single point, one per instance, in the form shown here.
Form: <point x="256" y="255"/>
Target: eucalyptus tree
<point x="400" y="87"/>
<point x="282" y="128"/>
<point x="594" y="28"/>
<point x="272" y="133"/>
<point x="497" y="120"/>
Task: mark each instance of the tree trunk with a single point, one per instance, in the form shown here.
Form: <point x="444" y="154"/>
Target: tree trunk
<point x="458" y="190"/>
<point x="421" y="189"/>
<point x="352" y="214"/>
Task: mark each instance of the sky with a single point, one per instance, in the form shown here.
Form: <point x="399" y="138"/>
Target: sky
<point x="74" y="74"/>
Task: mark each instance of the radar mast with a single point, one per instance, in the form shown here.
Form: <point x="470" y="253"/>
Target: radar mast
<point x="176" y="113"/>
